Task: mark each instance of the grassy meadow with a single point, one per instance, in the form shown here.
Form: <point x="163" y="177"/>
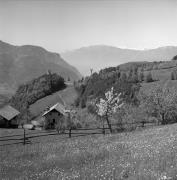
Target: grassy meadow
<point x="147" y="154"/>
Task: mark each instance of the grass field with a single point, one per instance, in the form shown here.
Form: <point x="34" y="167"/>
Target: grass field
<point x="149" y="154"/>
<point x="147" y="87"/>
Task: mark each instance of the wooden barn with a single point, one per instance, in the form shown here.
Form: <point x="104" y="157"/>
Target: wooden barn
<point x="8" y="117"/>
<point x="54" y="114"/>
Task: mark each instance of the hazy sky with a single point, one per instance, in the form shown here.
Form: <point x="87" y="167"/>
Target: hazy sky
<point x="60" y="25"/>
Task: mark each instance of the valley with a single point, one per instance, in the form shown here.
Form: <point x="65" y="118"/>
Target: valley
<point x="88" y="90"/>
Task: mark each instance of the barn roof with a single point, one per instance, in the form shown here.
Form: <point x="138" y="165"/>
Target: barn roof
<point x="58" y="107"/>
<point x="8" y="112"/>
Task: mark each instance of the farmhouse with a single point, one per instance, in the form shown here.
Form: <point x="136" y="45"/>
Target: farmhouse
<point x="8" y="116"/>
<point x="54" y="114"/>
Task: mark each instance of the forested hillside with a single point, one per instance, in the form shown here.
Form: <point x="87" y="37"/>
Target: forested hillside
<point x="34" y="90"/>
<point x="126" y="78"/>
<point x="94" y="87"/>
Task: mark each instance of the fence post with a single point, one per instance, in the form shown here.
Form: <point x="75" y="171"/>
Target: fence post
<point x="70" y="133"/>
<point x="24" y="138"/>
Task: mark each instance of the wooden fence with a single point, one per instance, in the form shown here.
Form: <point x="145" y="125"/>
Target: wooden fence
<point x="28" y="136"/>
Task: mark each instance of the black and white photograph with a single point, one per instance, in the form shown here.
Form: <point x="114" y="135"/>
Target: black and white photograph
<point x="88" y="89"/>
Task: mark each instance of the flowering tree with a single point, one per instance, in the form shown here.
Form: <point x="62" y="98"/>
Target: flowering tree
<point x="106" y="107"/>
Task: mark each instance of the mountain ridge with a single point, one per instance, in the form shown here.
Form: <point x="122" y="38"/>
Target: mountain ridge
<point x="19" y="64"/>
<point x="121" y="48"/>
<point x="100" y="56"/>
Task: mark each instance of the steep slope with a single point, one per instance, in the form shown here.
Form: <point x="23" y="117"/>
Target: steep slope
<point x="98" y="57"/>
<point x="19" y="64"/>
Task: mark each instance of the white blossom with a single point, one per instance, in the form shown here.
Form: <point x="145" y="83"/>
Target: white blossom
<point x="110" y="104"/>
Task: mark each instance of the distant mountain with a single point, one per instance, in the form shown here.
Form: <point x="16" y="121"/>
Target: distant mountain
<point x="100" y="56"/>
<point x="19" y="64"/>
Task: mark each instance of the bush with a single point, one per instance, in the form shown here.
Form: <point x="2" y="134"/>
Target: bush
<point x="130" y="117"/>
<point x="61" y="125"/>
<point x="174" y="75"/>
<point x="91" y="108"/>
<point x="77" y="101"/>
<point x="83" y="103"/>
<point x="141" y="76"/>
<point x="87" y="119"/>
<point x="149" y="77"/>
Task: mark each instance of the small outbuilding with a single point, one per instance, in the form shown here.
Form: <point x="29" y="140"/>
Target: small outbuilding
<point x="8" y="116"/>
<point x="54" y="114"/>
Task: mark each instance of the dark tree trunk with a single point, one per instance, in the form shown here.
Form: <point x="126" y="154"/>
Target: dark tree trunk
<point x="70" y="133"/>
<point x="24" y="138"/>
<point x="163" y="119"/>
<point x="109" y="125"/>
<point x="103" y="130"/>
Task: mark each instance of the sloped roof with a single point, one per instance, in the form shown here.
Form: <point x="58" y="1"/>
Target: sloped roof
<point x="58" y="107"/>
<point x="8" y="112"/>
